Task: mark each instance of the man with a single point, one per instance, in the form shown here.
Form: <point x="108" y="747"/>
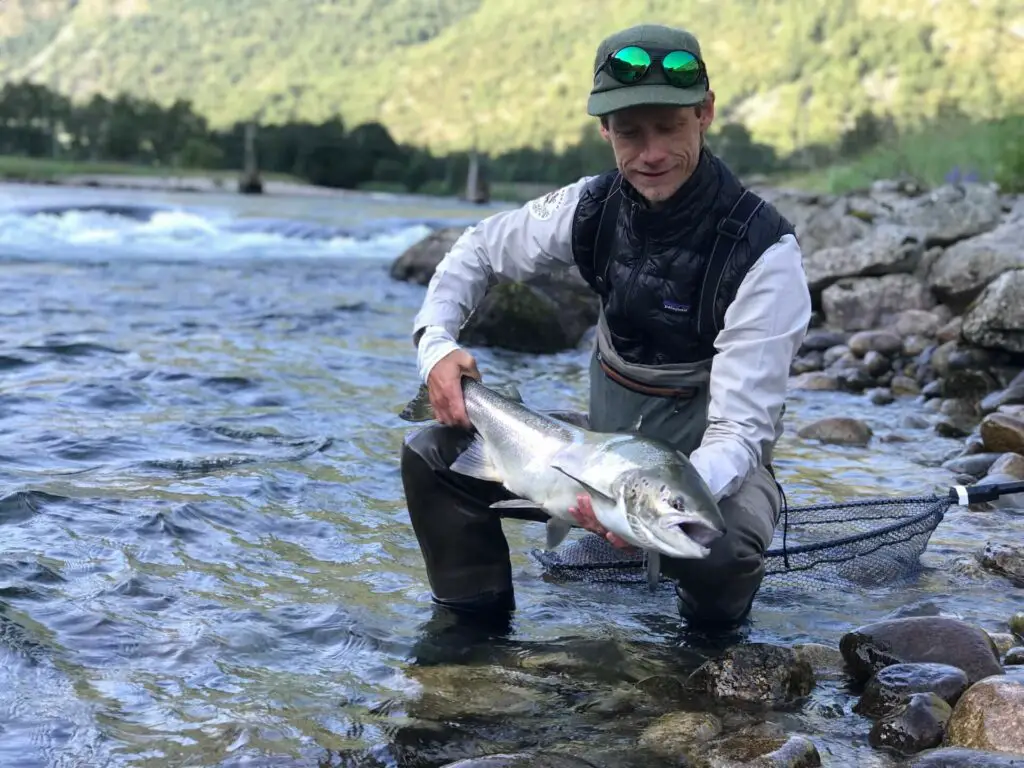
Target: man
<point x="704" y="304"/>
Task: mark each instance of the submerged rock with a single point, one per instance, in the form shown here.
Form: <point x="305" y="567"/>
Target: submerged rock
<point x="958" y="757"/>
<point x="674" y="735"/>
<point x="838" y="430"/>
<point x="756" y="673"/>
<point x="522" y="760"/>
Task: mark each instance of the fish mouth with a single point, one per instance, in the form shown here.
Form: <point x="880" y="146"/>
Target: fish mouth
<point x="701" y="533"/>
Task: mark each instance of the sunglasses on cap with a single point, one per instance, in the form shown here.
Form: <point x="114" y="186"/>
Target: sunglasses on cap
<point x="629" y="65"/>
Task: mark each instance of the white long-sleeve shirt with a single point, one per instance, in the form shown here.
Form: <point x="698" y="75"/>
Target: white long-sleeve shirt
<point x="763" y="327"/>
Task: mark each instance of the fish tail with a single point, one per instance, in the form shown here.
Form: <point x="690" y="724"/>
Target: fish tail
<point x="419" y="408"/>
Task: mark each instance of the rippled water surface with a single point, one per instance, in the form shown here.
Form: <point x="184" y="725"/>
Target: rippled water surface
<point x="204" y="553"/>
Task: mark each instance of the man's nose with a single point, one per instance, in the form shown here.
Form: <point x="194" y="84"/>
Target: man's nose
<point x="654" y="151"/>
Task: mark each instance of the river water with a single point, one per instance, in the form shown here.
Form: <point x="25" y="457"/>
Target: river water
<point x="204" y="553"/>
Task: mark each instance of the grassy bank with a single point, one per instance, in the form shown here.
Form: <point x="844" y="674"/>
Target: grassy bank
<point x="983" y="151"/>
<point x="50" y="171"/>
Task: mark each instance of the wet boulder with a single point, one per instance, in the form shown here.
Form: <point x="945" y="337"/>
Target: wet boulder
<point x="990" y="715"/>
<point x="755" y="673"/>
<point x="917" y="639"/>
<point x="890" y="687"/>
<point x="1006" y="560"/>
<point x="916" y="725"/>
<point x="761" y="746"/>
<point x="545" y="314"/>
<point x="1017" y="624"/>
<point x="417" y="263"/>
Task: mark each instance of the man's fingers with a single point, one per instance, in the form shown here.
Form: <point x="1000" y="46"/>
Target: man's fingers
<point x="616" y="541"/>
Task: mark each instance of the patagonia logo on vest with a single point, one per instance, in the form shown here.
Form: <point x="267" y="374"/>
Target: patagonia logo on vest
<point x="675" y="306"/>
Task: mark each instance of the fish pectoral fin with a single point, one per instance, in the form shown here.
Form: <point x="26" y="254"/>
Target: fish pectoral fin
<point x="557" y="530"/>
<point x="594" y="492"/>
<point x="653" y="569"/>
<point x="517" y="504"/>
<point x="473" y="462"/>
<point x="570" y="463"/>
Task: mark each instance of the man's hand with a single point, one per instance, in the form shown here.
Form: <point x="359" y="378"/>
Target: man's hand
<point x="444" y="384"/>
<point x="584" y="515"/>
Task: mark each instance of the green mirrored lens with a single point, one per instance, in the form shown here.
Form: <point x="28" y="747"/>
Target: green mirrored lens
<point x="681" y="68"/>
<point x="629" y="64"/>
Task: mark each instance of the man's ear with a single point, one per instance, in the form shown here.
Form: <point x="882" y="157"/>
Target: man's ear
<point x="707" y="112"/>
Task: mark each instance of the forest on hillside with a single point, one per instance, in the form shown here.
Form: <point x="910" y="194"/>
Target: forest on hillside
<point x="444" y="75"/>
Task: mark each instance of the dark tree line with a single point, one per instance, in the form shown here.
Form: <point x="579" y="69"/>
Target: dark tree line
<point x="37" y="122"/>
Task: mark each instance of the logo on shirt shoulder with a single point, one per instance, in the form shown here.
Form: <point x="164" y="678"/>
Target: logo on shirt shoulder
<point x="544" y="207"/>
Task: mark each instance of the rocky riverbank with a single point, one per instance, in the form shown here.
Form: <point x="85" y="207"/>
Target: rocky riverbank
<point x="918" y="294"/>
<point x="920" y="691"/>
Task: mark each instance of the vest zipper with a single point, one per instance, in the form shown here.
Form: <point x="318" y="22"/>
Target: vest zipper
<point x="631" y="283"/>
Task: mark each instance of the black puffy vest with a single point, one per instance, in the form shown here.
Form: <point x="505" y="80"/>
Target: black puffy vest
<point x="658" y="267"/>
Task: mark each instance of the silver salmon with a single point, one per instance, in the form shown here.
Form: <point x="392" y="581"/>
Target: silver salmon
<point x="641" y="489"/>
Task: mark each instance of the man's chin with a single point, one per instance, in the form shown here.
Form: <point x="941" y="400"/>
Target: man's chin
<point x="655" y="189"/>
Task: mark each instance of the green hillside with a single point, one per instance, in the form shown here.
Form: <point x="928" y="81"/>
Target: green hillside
<point x="436" y="72"/>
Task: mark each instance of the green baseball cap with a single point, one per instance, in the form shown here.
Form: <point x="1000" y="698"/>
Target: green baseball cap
<point x="609" y="95"/>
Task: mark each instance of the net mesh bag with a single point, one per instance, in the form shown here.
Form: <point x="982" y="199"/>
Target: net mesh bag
<point x="867" y="542"/>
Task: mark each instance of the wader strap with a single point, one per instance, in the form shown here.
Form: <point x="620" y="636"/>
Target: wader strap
<point x="606" y="232"/>
<point x="733" y="228"/>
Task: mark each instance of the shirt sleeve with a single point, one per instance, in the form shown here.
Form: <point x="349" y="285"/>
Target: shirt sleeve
<point x="763" y="330"/>
<point x="512" y="245"/>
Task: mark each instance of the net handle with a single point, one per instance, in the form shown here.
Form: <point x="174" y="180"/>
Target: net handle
<point x="965" y="495"/>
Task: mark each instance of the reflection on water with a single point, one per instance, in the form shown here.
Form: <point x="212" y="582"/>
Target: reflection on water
<point x="206" y="557"/>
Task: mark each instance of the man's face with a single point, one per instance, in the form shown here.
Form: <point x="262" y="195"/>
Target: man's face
<point x="657" y="147"/>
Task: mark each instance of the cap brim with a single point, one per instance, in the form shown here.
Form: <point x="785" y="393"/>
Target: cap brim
<point x="603" y="102"/>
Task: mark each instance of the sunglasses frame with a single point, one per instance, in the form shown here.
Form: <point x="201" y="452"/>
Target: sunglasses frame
<point x="657" y="57"/>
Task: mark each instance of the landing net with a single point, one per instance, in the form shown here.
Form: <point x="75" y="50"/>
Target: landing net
<point x="868" y="542"/>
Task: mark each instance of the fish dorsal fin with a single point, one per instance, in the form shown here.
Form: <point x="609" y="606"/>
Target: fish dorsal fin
<point x="637" y="424"/>
<point x="473" y="462"/>
<point x="570" y="462"/>
<point x="509" y="392"/>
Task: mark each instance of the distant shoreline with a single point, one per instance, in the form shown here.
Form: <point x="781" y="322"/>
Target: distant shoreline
<point x="199" y="182"/>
